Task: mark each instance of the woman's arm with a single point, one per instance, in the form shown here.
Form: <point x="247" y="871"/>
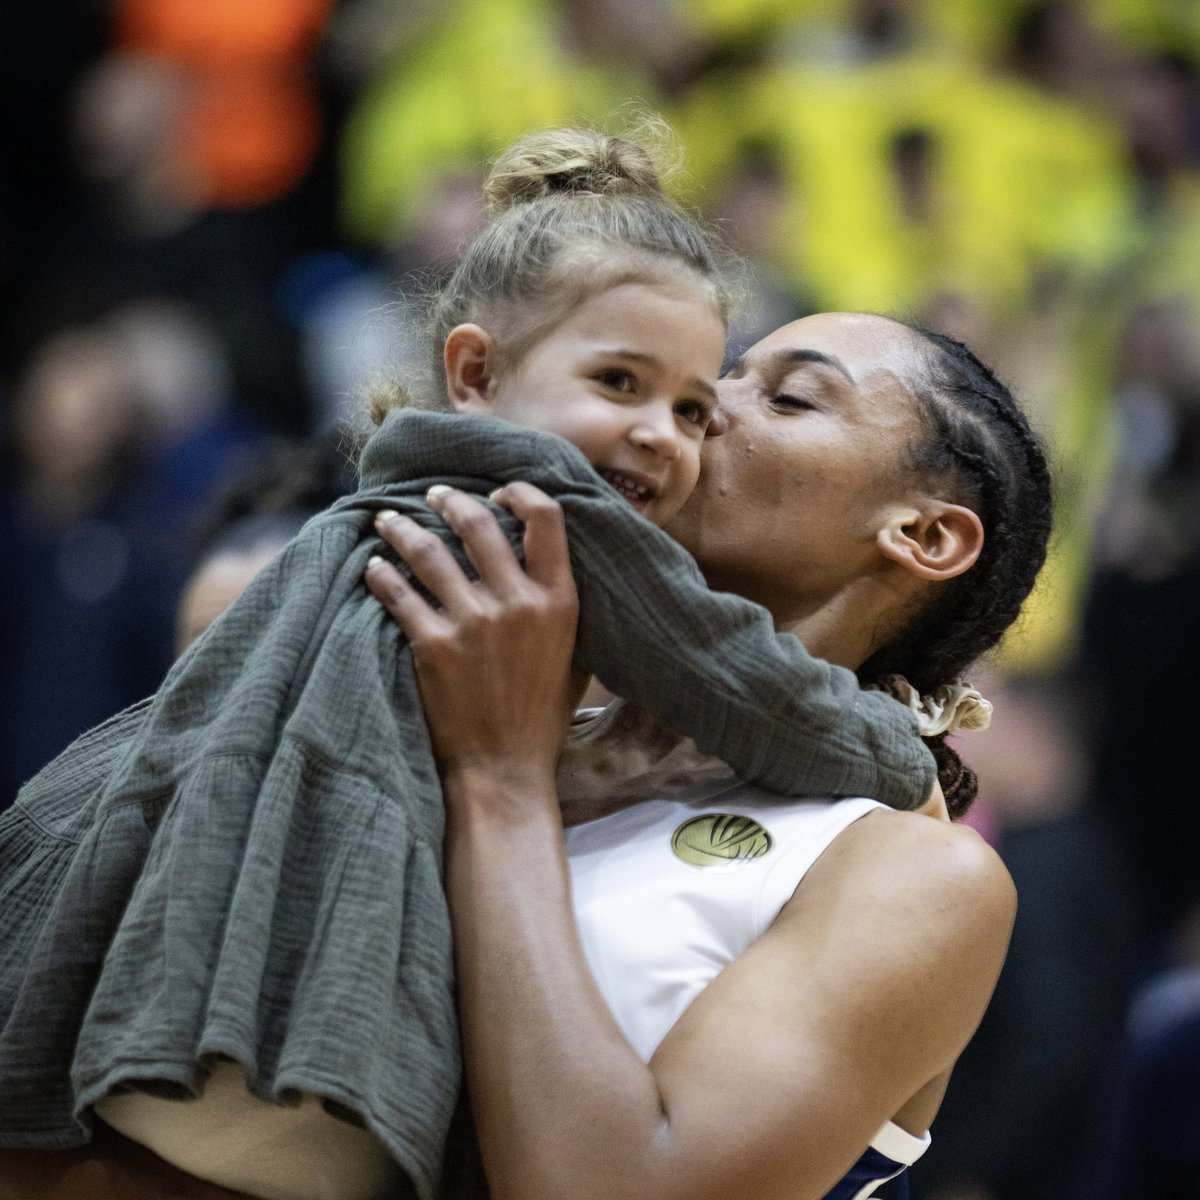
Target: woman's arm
<point x="776" y="1078"/>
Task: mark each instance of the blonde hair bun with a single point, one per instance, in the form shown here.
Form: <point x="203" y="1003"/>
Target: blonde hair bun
<point x="570" y="161"/>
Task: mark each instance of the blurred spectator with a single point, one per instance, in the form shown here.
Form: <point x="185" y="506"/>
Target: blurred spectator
<point x="128" y="111"/>
<point x="1150" y="522"/>
<point x="489" y="72"/>
<point x="118" y="428"/>
<point x="358" y="319"/>
<point x="862" y="31"/>
<point x="651" y="33"/>
<point x="152" y="220"/>
<point x="1022" y="1105"/>
<point x="261" y="508"/>
<point x="1162" y="123"/>
<point x="84" y="607"/>
<point x="191" y="431"/>
<point x="248" y="124"/>
<point x="1149" y="1144"/>
<point x="1141" y="650"/>
<point x="1057" y="45"/>
<point x="1140" y="639"/>
<point x="749" y="211"/>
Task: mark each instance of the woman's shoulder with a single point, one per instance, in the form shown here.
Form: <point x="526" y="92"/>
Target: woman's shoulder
<point x="872" y="978"/>
<point x="918" y="882"/>
<point x="919" y="856"/>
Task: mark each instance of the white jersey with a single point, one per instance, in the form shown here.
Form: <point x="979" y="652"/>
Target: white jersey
<point x="668" y="892"/>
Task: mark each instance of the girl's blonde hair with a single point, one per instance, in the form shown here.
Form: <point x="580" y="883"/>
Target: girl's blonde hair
<point x="574" y="212"/>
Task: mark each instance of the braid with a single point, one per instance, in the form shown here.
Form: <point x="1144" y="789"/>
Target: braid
<point x="978" y="440"/>
<point x="959" y="783"/>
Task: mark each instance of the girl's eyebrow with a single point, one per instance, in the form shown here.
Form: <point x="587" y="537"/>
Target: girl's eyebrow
<point x="701" y="385"/>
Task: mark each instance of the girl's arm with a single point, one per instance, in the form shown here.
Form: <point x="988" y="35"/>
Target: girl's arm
<point x="706" y="664"/>
<point x="774" y="1081"/>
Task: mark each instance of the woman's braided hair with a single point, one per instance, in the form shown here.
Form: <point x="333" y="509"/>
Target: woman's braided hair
<point x="980" y="442"/>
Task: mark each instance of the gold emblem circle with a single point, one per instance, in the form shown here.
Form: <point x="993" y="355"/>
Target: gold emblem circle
<point x="720" y="841"/>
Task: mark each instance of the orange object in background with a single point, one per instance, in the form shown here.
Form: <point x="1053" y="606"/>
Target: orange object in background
<point x="250" y="125"/>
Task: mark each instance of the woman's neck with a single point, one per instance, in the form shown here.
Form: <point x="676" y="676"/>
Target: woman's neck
<point x="849" y="626"/>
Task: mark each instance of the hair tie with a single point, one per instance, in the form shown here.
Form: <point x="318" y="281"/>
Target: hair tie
<point x="952" y="706"/>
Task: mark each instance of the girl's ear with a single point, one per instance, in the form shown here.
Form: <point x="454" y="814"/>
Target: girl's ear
<point x="936" y="542"/>
<point x="469" y="356"/>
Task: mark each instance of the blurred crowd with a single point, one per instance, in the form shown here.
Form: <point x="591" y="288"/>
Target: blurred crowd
<point x="215" y="222"/>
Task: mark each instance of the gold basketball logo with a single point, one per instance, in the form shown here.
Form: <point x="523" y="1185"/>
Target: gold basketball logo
<point x="720" y="841"/>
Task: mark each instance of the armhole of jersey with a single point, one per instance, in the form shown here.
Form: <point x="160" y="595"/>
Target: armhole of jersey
<point x="899" y="1145"/>
<point x="799" y="854"/>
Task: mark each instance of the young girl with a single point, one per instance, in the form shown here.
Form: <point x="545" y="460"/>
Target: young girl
<point x="232" y="890"/>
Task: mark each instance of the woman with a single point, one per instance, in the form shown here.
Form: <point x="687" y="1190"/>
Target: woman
<point x="828" y="494"/>
<point x="284" y="766"/>
<point x="877" y="490"/>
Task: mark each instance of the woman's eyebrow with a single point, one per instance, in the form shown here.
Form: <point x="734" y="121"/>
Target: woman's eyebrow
<point x="799" y="355"/>
<point x="789" y="358"/>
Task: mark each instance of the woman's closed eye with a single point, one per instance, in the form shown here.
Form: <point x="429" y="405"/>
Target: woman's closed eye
<point x="788" y="402"/>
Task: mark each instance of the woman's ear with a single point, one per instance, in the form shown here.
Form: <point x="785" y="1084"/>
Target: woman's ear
<point x="469" y="356"/>
<point x="936" y="542"/>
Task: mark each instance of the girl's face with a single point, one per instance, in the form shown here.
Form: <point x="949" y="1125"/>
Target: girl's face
<point x="628" y="377"/>
<point x="805" y="461"/>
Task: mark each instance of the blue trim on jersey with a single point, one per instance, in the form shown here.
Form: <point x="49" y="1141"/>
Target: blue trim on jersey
<point x="872" y="1167"/>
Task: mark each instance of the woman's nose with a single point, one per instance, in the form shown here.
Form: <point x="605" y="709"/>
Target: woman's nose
<point x="730" y="397"/>
<point x="718" y="423"/>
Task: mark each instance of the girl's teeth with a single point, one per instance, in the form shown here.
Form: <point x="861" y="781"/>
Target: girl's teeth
<point x="627" y="488"/>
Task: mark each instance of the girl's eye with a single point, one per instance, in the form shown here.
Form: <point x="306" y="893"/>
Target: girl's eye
<point x="694" y="412"/>
<point x="617" y="380"/>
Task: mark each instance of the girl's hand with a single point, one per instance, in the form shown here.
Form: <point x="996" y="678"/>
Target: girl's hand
<point x="494" y="661"/>
<point x="935" y="804"/>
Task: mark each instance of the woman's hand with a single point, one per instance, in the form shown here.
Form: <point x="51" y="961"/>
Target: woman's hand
<point x="494" y="661"/>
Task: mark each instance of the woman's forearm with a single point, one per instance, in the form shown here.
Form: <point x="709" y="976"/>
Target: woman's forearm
<point x="783" y="1068"/>
<point x="563" y="1104"/>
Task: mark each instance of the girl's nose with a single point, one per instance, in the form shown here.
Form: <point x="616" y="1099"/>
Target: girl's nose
<point x="656" y="430"/>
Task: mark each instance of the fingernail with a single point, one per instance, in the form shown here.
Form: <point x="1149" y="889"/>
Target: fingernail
<point x="437" y="492"/>
<point x="374" y="561"/>
<point x="384" y="515"/>
<point x="495" y="496"/>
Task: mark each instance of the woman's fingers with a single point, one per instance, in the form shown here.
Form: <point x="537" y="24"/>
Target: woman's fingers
<point x="407" y="606"/>
<point x="493" y="663"/>
<point x="544" y="579"/>
<point x="429" y="560"/>
<point x="547" y="559"/>
<point x="484" y="541"/>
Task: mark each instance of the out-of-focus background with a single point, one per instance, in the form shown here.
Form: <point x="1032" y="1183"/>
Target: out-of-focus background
<point x="214" y="217"/>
